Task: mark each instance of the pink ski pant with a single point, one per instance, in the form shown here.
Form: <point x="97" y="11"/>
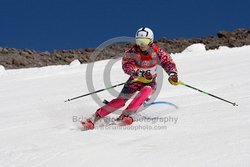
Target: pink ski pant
<point x="129" y="89"/>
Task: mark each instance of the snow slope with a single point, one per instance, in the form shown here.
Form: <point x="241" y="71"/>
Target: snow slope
<point x="37" y="128"/>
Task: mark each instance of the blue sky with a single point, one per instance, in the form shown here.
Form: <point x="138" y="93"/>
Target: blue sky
<point x="70" y="24"/>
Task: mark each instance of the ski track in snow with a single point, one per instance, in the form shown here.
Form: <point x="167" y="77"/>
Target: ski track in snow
<point x="37" y="128"/>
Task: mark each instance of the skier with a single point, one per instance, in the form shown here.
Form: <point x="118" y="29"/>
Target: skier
<point x="140" y="62"/>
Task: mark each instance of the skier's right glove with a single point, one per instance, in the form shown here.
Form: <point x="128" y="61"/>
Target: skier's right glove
<point x="173" y="79"/>
<point x="146" y="74"/>
<point x="140" y="73"/>
<point x="143" y="76"/>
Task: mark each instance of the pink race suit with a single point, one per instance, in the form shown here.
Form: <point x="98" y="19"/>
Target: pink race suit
<point x="134" y="60"/>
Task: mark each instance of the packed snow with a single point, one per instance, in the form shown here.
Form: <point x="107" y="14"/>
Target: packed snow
<point x="2" y="69"/>
<point x="38" y="129"/>
<point x="195" y="48"/>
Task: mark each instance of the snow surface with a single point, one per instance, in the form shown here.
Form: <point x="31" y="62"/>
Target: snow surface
<point x="37" y="128"/>
<point x="75" y="63"/>
<point x="195" y="48"/>
<point x="2" y="69"/>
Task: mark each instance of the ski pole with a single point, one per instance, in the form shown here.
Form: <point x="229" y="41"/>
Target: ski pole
<point x="182" y="83"/>
<point x="134" y="80"/>
<point x="95" y="92"/>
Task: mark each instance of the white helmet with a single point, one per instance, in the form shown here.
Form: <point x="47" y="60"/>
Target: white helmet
<point x="144" y="36"/>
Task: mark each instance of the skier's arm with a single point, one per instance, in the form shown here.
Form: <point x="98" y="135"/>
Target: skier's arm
<point x="128" y="63"/>
<point x="169" y="66"/>
<point x="167" y="62"/>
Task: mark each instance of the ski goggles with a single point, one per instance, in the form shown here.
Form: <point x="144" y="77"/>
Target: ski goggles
<point x="142" y="41"/>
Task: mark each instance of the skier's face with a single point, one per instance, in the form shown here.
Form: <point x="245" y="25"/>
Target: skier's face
<point x="144" y="47"/>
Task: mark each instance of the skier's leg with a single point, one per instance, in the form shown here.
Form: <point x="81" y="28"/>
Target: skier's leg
<point x="153" y="85"/>
<point x="127" y="92"/>
<point x="111" y="107"/>
<point x="143" y="95"/>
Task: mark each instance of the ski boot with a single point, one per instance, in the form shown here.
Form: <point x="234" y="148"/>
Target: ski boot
<point x="126" y="119"/>
<point x="89" y="123"/>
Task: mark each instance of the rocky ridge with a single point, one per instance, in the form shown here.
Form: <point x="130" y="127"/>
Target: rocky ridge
<point x="12" y="58"/>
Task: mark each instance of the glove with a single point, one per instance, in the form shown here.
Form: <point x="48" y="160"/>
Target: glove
<point x="140" y="73"/>
<point x="173" y="79"/>
<point x="143" y="76"/>
<point x="146" y="74"/>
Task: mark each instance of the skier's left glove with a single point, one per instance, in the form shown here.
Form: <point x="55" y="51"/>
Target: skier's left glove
<point x="173" y="79"/>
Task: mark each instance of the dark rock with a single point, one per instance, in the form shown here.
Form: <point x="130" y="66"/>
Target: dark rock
<point x="16" y="62"/>
<point x="23" y="53"/>
<point x="89" y="49"/>
<point x="223" y="34"/>
<point x="28" y="51"/>
<point x="5" y="50"/>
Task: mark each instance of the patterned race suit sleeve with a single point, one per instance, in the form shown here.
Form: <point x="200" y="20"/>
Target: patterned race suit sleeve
<point x="128" y="62"/>
<point x="166" y="61"/>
